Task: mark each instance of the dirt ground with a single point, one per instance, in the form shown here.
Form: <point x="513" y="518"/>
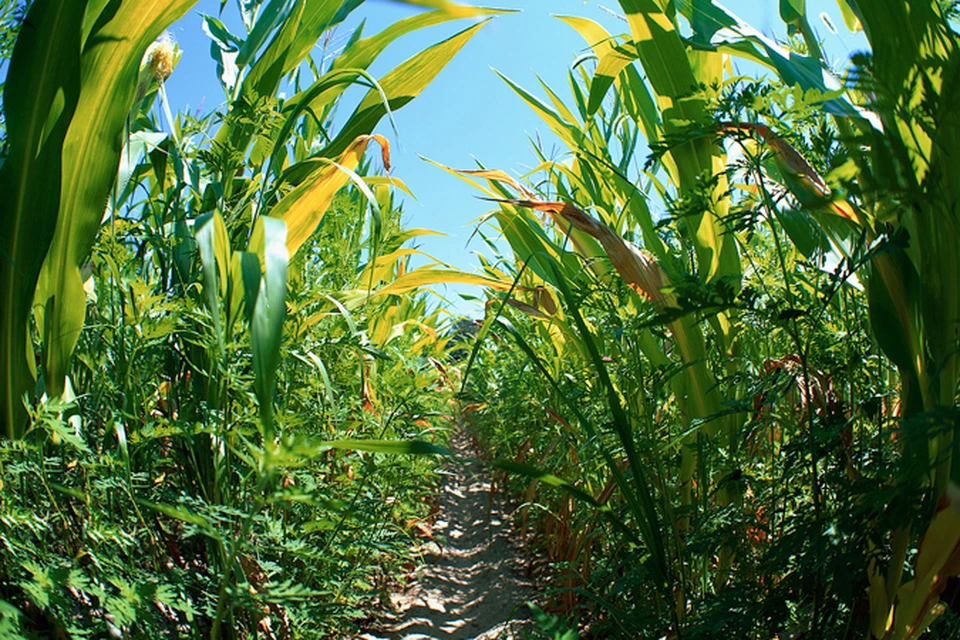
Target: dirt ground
<point x="472" y="583"/>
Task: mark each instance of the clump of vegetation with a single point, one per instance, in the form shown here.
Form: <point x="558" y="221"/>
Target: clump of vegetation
<point x="724" y="380"/>
<point x="213" y="385"/>
<point x="719" y="363"/>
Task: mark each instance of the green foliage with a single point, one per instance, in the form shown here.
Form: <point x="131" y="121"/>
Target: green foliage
<point x="756" y="358"/>
<point x="231" y="433"/>
<point x="719" y="363"/>
<point x="12" y="13"/>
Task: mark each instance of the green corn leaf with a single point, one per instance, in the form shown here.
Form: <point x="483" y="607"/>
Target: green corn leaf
<point x="302" y="27"/>
<point x="664" y="58"/>
<point x="675" y="77"/>
<point x="103" y="45"/>
<point x="546" y="478"/>
<point x="567" y="131"/>
<point x="794" y="69"/>
<point x="249" y="264"/>
<point x="611" y="65"/>
<point x="705" y="17"/>
<point x="329" y="392"/>
<point x="275" y="13"/>
<point x="428" y="276"/>
<point x="269" y="312"/>
<point x="362" y="53"/>
<point x="850" y="16"/>
<point x="40" y="97"/>
<point x="110" y="67"/>
<point x="140" y="145"/>
<point x="401" y="86"/>
<point x="324" y="90"/>
<point x="792" y="11"/>
<point x="298" y="34"/>
<point x="223" y="50"/>
<point x="894" y="309"/>
<point x="803" y="231"/>
<point x="215" y="259"/>
<point x="392" y="447"/>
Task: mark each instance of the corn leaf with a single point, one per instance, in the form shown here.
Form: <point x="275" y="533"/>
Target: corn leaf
<point x="850" y="16"/>
<point x="291" y="44"/>
<point x="362" y="53"/>
<point x="612" y="59"/>
<point x="110" y="65"/>
<point x="303" y="208"/>
<point x="452" y="9"/>
<point x="269" y="312"/>
<point x="401" y="86"/>
<point x="40" y="97"/>
<point x="937" y="561"/>
<point x="210" y="230"/>
<point x="428" y="276"/>
<point x="392" y="447"/>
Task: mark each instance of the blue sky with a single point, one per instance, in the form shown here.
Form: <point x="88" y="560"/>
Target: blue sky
<point x="468" y="113"/>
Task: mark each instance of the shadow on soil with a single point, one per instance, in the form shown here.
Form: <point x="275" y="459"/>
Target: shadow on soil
<point x="473" y="586"/>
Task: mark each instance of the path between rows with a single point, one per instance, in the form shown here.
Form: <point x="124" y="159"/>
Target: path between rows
<point x="472" y="583"/>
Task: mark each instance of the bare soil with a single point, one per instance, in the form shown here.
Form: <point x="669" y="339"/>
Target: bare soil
<point x="472" y="581"/>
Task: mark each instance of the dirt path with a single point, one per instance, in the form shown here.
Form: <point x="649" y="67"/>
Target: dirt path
<point x="471" y="584"/>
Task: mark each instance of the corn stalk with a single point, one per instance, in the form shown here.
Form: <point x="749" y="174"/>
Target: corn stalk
<point x="899" y="130"/>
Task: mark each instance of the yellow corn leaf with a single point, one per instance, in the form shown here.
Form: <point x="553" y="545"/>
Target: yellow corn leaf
<point x="385" y="267"/>
<point x="468" y="175"/>
<point x="427" y="276"/>
<point x="544" y="300"/>
<point x="499" y="176"/>
<point x="304" y="207"/>
<point x="375" y="181"/>
<point x="850" y="17"/>
<point x="596" y="36"/>
<point x="937" y="561"/>
<point x="881" y="615"/>
<point x="452" y="9"/>
<point x="584" y="245"/>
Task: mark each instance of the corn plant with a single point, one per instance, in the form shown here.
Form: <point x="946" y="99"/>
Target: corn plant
<point x="211" y="425"/>
<point x="681" y="274"/>
<point x="695" y="169"/>
<point x="894" y="196"/>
